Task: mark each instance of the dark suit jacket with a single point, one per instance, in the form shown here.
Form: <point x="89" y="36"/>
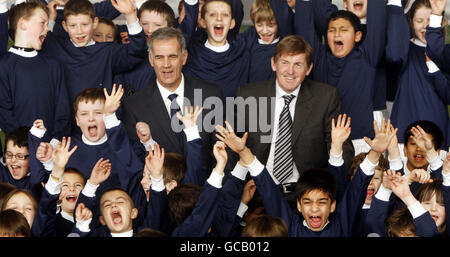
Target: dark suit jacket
<point x="147" y="105"/>
<point x="316" y="105"/>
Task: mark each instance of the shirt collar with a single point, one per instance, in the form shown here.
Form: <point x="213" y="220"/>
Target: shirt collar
<point x="280" y="92"/>
<point x="363" y="21"/>
<point x="273" y="42"/>
<point x="23" y="53"/>
<point x="418" y="42"/>
<point x="124" y="234"/>
<point x="165" y="92"/>
<point x="99" y="142"/>
<point x="67" y="216"/>
<point x="92" y="42"/>
<point x="217" y="49"/>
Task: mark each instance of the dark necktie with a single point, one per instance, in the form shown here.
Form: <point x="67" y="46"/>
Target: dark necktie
<point x="174" y="108"/>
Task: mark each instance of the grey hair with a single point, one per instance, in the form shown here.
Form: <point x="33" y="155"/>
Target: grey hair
<point x="166" y="34"/>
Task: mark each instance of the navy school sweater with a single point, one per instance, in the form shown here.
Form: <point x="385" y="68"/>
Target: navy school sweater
<point x="436" y="48"/>
<point x="3" y="32"/>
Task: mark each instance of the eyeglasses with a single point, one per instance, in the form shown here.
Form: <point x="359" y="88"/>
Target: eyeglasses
<point x="19" y="156"/>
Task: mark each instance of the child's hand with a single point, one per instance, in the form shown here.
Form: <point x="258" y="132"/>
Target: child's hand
<point x="124" y="6"/>
<point x="146" y="183"/>
<point x="44" y="152"/>
<point x="52" y="9"/>
<point x="393" y="150"/>
<point x="423" y="142"/>
<point x="62" y="154"/>
<point x="228" y="136"/>
<point x="143" y="131"/>
<point x="82" y="212"/>
<point x="100" y="173"/>
<point x="420" y="176"/>
<point x="190" y="117"/>
<point x="401" y="189"/>
<point x="438" y="6"/>
<point x="154" y="162"/>
<point x="221" y="156"/>
<point x="446" y="165"/>
<point x="112" y="102"/>
<point x="39" y="124"/>
<point x="382" y="138"/>
<point x="388" y="176"/>
<point x="340" y="131"/>
<point x="249" y="191"/>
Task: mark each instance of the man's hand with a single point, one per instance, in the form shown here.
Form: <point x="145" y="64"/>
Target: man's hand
<point x="143" y="131"/>
<point x="100" y="173"/>
<point x="112" y="102"/>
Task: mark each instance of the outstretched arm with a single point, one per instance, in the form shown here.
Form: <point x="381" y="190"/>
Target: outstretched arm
<point x="3" y="27"/>
<point x="375" y="41"/>
<point x="398" y="34"/>
<point x="436" y="49"/>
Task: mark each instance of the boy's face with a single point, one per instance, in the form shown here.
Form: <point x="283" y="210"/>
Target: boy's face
<point x="374" y="185"/>
<point x="18" y="168"/>
<point x="168" y="62"/>
<point x="151" y="21"/>
<point x="36" y="28"/>
<point x="117" y="212"/>
<point x="217" y="21"/>
<point x="80" y="28"/>
<point x="70" y="190"/>
<point x="421" y="20"/>
<point x="89" y="118"/>
<point x="416" y="157"/>
<point x="267" y="30"/>
<point x="103" y="33"/>
<point x="358" y="7"/>
<point x="22" y="203"/>
<point x="437" y="210"/>
<point x="290" y="70"/>
<point x="315" y="207"/>
<point x="342" y="37"/>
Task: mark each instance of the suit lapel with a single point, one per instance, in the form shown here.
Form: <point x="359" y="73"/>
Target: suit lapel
<point x="303" y="109"/>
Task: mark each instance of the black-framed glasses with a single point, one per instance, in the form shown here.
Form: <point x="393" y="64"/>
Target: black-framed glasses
<point x="19" y="156"/>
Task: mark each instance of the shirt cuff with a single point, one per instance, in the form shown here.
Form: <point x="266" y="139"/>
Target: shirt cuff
<point x="416" y="209"/>
<point x="48" y="165"/>
<point x="383" y="194"/>
<point x="432" y="67"/>
<point x="396" y="164"/>
<point x="446" y="179"/>
<point x="215" y="179"/>
<point x="54" y="143"/>
<point x="89" y="189"/>
<point x="336" y="160"/>
<point x="395" y="2"/>
<point x="111" y="121"/>
<point x="83" y="225"/>
<point x="134" y="28"/>
<point x="51" y="25"/>
<point x="239" y="171"/>
<point x="255" y="168"/>
<point x="191" y="2"/>
<point x="191" y="133"/>
<point x="368" y="167"/>
<point x="39" y="133"/>
<point x="435" y="21"/>
<point x="157" y="184"/>
<point x="242" y="209"/>
<point x="53" y="187"/>
<point x="436" y="163"/>
<point x="3" y="7"/>
<point x="148" y="144"/>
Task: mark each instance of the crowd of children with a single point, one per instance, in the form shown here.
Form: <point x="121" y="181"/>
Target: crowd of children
<point x="69" y="167"/>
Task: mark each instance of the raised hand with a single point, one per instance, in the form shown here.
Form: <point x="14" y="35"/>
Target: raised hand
<point x="190" y="117"/>
<point x="127" y="8"/>
<point x="249" y="191"/>
<point x="393" y="150"/>
<point x="82" y="213"/>
<point x="446" y="165"/>
<point x="383" y="136"/>
<point x="61" y="156"/>
<point x="44" y="152"/>
<point x="146" y="182"/>
<point x="420" y="176"/>
<point x="143" y="131"/>
<point x="401" y="189"/>
<point x="112" y="102"/>
<point x="422" y="141"/>
<point x="52" y="9"/>
<point x="39" y="124"/>
<point x="221" y="156"/>
<point x="388" y="176"/>
<point x="438" y="6"/>
<point x="228" y="136"/>
<point x="340" y="131"/>
<point x="154" y="162"/>
<point x="100" y="173"/>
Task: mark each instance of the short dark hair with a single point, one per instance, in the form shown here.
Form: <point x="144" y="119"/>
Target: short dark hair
<point x="182" y="201"/>
<point x="13" y="223"/>
<point x="76" y="7"/>
<point x="24" y="10"/>
<point x="347" y="15"/>
<point x="110" y="23"/>
<point x="161" y="8"/>
<point x="399" y="222"/>
<point x="88" y="95"/>
<point x="430" y="128"/>
<point x="203" y="11"/>
<point x="111" y="189"/>
<point x="18" y="136"/>
<point x="383" y="163"/>
<point x="166" y="34"/>
<point x="5" y="188"/>
<point x="265" y="226"/>
<point x="174" y="167"/>
<point x="293" y="45"/>
<point x="317" y="179"/>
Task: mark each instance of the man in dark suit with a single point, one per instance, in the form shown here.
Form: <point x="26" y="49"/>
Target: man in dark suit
<point x="299" y="112"/>
<point x="157" y="103"/>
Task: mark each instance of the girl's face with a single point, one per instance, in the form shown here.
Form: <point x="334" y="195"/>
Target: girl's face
<point x="22" y="203"/>
<point x="437" y="210"/>
<point x="420" y="22"/>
